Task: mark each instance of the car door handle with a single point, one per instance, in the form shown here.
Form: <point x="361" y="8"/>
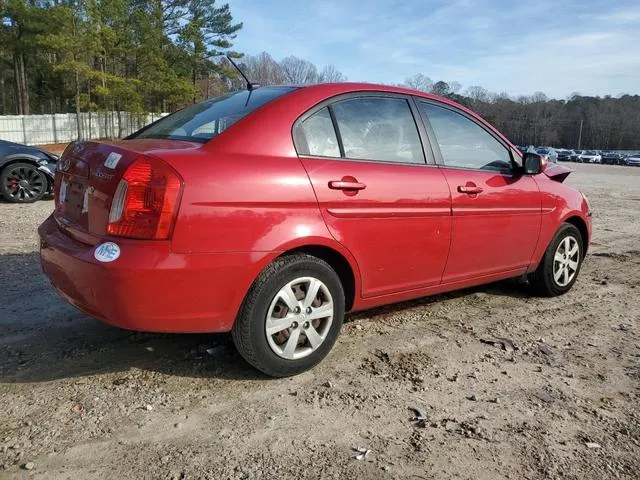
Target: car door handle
<point x="471" y="189"/>
<point x="342" y="185"/>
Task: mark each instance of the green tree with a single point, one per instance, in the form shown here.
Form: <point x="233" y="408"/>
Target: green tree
<point x="22" y="22"/>
<point x="75" y="44"/>
<point x="207" y="33"/>
<point x="162" y="67"/>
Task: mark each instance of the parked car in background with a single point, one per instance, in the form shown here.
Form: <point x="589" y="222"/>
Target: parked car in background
<point x="578" y="153"/>
<point x="524" y="149"/>
<point x="612" y="158"/>
<point x="548" y="154"/>
<point x="265" y="213"/>
<point x="590" y="156"/>
<point x="565" y="155"/>
<point x="632" y="160"/>
<point x="26" y="173"/>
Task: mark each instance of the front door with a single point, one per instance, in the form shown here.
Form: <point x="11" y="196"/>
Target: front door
<point x="378" y="195"/>
<point x="496" y="210"/>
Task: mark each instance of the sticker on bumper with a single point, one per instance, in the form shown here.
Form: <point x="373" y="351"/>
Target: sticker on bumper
<point x="107" y="252"/>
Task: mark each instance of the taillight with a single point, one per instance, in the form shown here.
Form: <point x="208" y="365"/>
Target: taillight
<point x="146" y="201"/>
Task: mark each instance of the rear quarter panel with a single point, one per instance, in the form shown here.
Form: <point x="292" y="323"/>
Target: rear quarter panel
<point x="244" y="203"/>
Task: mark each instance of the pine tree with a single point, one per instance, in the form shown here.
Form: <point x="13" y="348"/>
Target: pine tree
<point x="207" y="33"/>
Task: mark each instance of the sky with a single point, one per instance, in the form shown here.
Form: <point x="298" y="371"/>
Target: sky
<point x="560" y="47"/>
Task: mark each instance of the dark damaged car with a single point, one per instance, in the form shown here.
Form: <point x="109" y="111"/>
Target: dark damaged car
<point x="26" y="173"/>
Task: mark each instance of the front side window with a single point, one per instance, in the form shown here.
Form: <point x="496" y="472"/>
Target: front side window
<point x="203" y="121"/>
<point x="378" y="128"/>
<point x="465" y="144"/>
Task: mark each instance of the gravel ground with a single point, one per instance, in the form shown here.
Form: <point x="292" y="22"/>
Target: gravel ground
<point x="79" y="399"/>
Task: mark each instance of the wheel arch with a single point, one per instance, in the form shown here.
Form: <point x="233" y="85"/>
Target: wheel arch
<point x="581" y="225"/>
<point x="19" y="158"/>
<point x="348" y="274"/>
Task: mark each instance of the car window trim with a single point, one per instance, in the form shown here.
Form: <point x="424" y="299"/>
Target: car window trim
<point x="423" y="130"/>
<point x="427" y="154"/>
<point x="366" y="160"/>
<point x="433" y="141"/>
<point x="336" y="130"/>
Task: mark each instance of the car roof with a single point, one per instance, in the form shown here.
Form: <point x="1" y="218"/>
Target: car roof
<point x="349" y="87"/>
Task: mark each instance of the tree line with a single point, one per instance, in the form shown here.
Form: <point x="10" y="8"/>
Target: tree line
<point x="60" y="56"/>
<point x="579" y="121"/>
<point x="134" y="55"/>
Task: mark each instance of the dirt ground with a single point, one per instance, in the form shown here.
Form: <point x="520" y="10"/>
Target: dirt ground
<point x="55" y="148"/>
<point x="81" y="400"/>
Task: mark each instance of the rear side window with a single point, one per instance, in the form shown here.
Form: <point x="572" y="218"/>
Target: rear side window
<point x="378" y="128"/>
<point x="465" y="144"/>
<point x="317" y="137"/>
<point x="203" y="121"/>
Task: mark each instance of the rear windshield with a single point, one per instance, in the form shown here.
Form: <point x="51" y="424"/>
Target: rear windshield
<point x="203" y="121"/>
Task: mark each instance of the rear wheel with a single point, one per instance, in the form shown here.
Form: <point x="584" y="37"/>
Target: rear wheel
<point x="291" y="317"/>
<point x="22" y="183"/>
<point x="561" y="263"/>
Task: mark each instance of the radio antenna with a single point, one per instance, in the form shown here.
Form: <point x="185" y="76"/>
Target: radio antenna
<point x="250" y="86"/>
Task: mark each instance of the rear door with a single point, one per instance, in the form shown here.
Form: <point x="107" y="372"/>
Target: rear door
<point x="379" y="196"/>
<point x="496" y="210"/>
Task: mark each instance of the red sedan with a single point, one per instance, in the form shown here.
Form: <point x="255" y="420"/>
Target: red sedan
<point x="271" y="212"/>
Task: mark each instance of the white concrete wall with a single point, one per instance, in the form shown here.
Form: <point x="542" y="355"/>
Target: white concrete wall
<point x="63" y="127"/>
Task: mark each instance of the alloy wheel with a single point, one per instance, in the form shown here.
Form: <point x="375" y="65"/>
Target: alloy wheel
<point x="566" y="261"/>
<point x="299" y="318"/>
<point x="23" y="183"/>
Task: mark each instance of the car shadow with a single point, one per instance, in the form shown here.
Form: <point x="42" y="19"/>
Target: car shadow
<point x="43" y="338"/>
<point x="513" y="288"/>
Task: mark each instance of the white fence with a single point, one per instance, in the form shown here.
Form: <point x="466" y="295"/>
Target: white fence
<point x="63" y="127"/>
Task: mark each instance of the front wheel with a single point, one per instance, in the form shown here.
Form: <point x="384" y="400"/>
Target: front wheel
<point x="291" y="317"/>
<point x="560" y="265"/>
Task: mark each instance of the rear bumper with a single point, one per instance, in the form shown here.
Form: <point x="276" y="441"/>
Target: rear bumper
<point x="149" y="287"/>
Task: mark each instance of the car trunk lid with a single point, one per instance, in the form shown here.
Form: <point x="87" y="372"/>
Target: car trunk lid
<point x="87" y="177"/>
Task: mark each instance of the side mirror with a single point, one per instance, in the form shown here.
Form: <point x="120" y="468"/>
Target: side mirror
<point x="533" y="164"/>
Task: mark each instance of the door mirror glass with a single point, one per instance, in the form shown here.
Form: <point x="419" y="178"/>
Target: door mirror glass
<point x="533" y="163"/>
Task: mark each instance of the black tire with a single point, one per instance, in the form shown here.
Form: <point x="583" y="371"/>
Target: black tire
<point x="249" y="333"/>
<point x="542" y="281"/>
<point x="22" y="183"/>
